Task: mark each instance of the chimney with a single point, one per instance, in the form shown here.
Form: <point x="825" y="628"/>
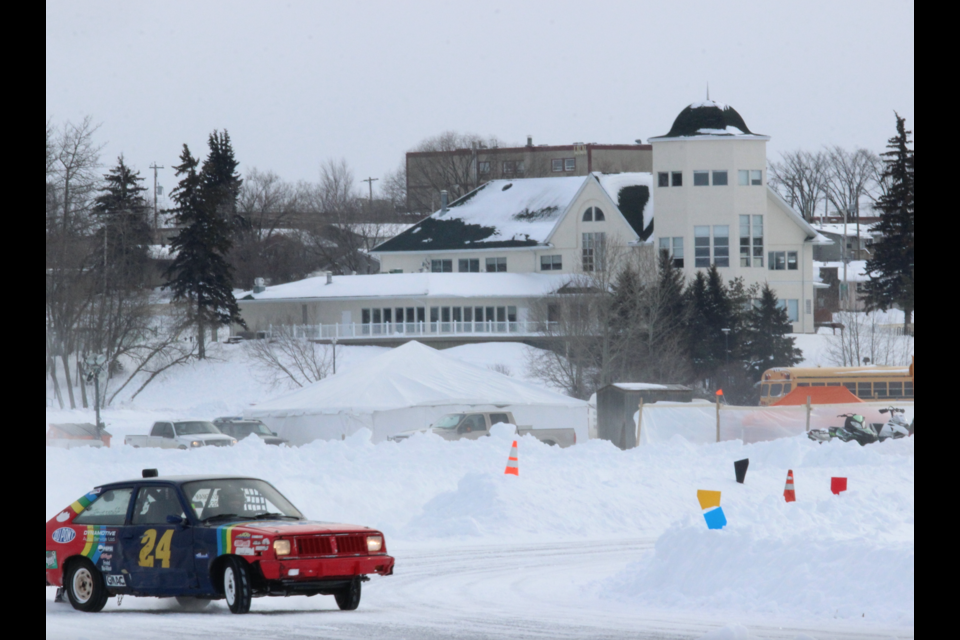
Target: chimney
<point x="443" y="202"/>
<point x="529" y="141"/>
<point x="258" y="285"/>
<point x="329" y="277"/>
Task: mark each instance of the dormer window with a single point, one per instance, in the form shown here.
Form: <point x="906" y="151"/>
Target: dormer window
<point x="593" y="214"/>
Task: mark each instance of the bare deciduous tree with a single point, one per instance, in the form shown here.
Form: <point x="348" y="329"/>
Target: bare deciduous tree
<point x="451" y="166"/>
<point x="800" y="177"/>
<point x="289" y="359"/>
<point x="849" y="178"/>
<point x="864" y="340"/>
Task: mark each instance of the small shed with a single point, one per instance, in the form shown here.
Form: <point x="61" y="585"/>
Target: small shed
<point x="618" y="402"/>
<point x="77" y="434"/>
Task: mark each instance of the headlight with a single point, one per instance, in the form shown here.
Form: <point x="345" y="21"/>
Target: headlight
<point x="281" y="547"/>
<point x="196" y="443"/>
<point x="374" y="544"/>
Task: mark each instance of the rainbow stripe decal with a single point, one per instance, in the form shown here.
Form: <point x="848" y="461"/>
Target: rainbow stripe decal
<point x="225" y="539"/>
<point x="83" y="502"/>
<point x="95" y="536"/>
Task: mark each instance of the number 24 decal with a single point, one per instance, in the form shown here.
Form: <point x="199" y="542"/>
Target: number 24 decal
<point x="147" y="554"/>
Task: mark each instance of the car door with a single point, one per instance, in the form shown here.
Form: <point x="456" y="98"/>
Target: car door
<point x="473" y="426"/>
<point x="158" y="554"/>
<point x="101" y="526"/>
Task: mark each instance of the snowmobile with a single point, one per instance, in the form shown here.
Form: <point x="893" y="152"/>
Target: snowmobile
<point x="856" y="428"/>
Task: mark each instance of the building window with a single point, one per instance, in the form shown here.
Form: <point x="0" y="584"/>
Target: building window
<point x="792" y="307"/>
<point x="783" y="260"/>
<point x="752" y="177"/>
<point x="593" y="244"/>
<point x="512" y="167"/>
<point x="663" y="179"/>
<point x="701" y="246"/>
<point x="569" y="164"/>
<point x="756" y="177"/>
<point x="673" y="249"/>
<point x="677" y="178"/>
<point x="441" y="266"/>
<point x="471" y="265"/>
<point x="551" y="263"/>
<point x="751" y="241"/>
<point x="721" y="245"/>
<point x="593" y="214"/>
<point x="701" y="178"/>
<point x="556" y="165"/>
<point x="743" y="177"/>
<point x="483" y="167"/>
<point x="496" y="265"/>
<point x="719" y="178"/>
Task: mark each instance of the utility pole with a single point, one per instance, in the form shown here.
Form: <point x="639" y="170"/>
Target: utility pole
<point x="370" y="182"/>
<point x="156" y="216"/>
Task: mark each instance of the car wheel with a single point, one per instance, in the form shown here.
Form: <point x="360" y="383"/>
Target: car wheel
<point x="348" y="598"/>
<point x="192" y="604"/>
<point x="236" y="585"/>
<point x="85" y="587"/>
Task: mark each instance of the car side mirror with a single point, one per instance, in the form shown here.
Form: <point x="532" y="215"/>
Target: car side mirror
<point x="176" y="520"/>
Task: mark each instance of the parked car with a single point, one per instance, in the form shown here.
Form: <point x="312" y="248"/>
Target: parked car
<point x="239" y="428"/>
<point x="187" y="434"/>
<point x="203" y="538"/>
<point x="476" y="424"/>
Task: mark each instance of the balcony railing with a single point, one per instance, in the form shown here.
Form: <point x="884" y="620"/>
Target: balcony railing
<point x="388" y="330"/>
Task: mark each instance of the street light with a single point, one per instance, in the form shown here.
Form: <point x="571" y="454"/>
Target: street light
<point x="726" y="342"/>
<point x="94" y="364"/>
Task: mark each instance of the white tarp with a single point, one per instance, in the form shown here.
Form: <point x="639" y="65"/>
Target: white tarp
<point x="697" y="421"/>
<point x="408" y="388"/>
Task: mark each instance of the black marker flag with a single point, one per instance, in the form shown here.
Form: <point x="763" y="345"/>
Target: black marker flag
<point x="740" y="466"/>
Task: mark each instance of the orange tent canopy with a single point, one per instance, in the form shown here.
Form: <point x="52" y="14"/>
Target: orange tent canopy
<point x="817" y="395"/>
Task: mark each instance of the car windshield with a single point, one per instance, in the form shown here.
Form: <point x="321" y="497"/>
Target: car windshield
<point x="237" y="499"/>
<point x="449" y="422"/>
<point x="194" y="428"/>
<point x="244" y="429"/>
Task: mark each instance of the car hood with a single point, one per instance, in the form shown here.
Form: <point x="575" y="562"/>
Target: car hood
<point x="293" y="527"/>
<point x="207" y="437"/>
<point x="443" y="433"/>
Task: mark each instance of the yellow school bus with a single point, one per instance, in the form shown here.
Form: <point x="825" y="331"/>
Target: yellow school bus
<point x="867" y="383"/>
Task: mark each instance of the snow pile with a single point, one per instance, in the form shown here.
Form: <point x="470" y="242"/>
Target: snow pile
<point x="825" y="556"/>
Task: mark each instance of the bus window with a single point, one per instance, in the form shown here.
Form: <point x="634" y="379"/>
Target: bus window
<point x="776" y="389"/>
<point x="819" y="384"/>
<point x="896" y="389"/>
<point x="833" y="384"/>
<point x="764" y="391"/>
<point x="863" y="390"/>
<point x="880" y="389"/>
<point x="803" y="384"/>
<point x="786" y="389"/>
<point x="907" y="389"/>
<point x="851" y="387"/>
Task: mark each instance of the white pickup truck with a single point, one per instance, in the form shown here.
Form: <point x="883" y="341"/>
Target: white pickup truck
<point x="189" y="434"/>
<point x="474" y="425"/>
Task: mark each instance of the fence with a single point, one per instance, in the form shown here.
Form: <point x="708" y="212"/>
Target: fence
<point x="367" y="331"/>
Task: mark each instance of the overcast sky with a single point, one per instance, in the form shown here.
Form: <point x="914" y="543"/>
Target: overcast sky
<point x="298" y="82"/>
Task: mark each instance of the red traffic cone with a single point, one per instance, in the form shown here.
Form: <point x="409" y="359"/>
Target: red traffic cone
<point x="788" y="492"/>
<point x="513" y="464"/>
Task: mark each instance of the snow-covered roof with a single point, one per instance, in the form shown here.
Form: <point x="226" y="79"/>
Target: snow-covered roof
<point x="813" y="236"/>
<point x="709" y="119"/>
<point x="436" y="285"/>
<point x="856" y="270"/>
<point x="866" y="230"/>
<point x="521" y="213"/>
<point x="412" y="375"/>
<point x="633" y="195"/>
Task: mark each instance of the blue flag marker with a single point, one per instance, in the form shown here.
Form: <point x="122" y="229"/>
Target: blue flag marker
<point x="715" y="518"/>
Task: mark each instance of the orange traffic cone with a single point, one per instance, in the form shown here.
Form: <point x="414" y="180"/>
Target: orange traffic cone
<point x="788" y="492"/>
<point x="513" y="466"/>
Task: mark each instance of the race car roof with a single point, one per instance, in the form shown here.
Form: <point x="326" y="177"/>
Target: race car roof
<point x="177" y="480"/>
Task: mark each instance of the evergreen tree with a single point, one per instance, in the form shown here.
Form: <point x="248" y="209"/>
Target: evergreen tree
<point x="199" y="272"/>
<point x="220" y="181"/>
<point x="124" y="236"/>
<point x="711" y="311"/>
<point x="891" y="268"/>
<point x="767" y="343"/>
<point x="670" y="286"/>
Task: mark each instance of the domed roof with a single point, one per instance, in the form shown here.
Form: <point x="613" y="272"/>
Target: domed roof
<point x="709" y="118"/>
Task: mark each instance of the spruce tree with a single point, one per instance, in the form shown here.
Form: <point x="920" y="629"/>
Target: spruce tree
<point x="122" y="241"/>
<point x="711" y="311"/>
<point x="220" y="181"/>
<point x="891" y="268"/>
<point x="199" y="272"/>
<point x="767" y="343"/>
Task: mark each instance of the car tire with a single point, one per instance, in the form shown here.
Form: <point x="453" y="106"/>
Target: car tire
<point x="348" y="598"/>
<point x="85" y="587"/>
<point x="188" y="603"/>
<point x="237" y="590"/>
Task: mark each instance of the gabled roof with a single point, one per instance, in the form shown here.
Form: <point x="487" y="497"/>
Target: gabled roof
<point x="813" y="236"/>
<point x="522" y="213"/>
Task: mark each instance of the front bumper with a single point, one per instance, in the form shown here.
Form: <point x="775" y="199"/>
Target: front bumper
<point x="309" y="569"/>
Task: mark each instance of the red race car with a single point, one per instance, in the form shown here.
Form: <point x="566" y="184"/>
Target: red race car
<point x="203" y="538"/>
